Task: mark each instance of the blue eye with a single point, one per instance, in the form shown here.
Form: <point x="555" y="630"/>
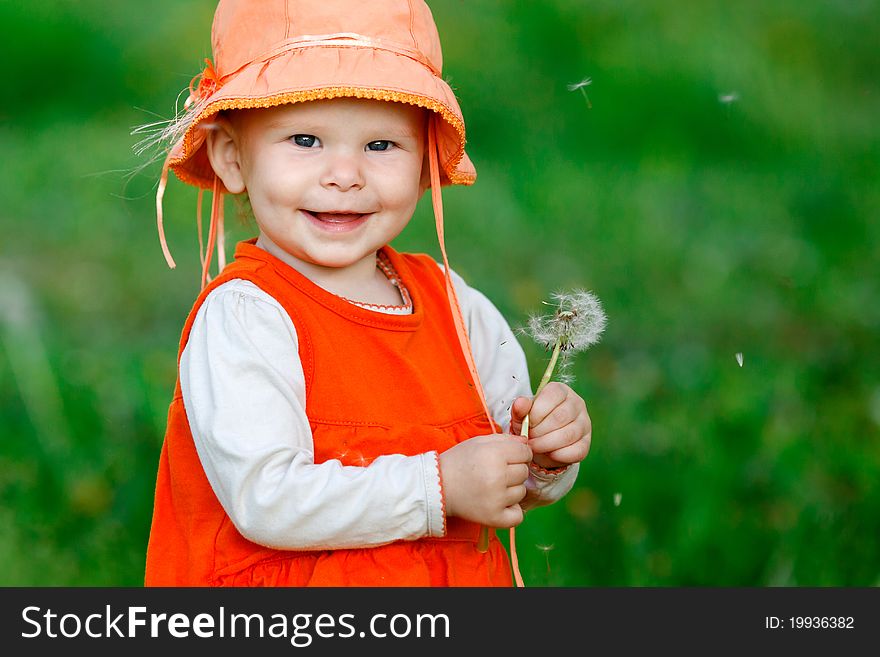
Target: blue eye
<point x="379" y="145"/>
<point x="306" y="141"/>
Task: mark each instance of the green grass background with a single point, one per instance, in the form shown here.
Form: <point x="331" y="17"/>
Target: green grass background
<point x="706" y="228"/>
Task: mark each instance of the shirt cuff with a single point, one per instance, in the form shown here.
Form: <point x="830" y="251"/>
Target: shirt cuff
<point x="435" y="501"/>
<point x="546" y="474"/>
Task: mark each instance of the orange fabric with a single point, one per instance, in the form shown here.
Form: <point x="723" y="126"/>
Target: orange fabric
<point x="270" y="52"/>
<point x="375" y="384"/>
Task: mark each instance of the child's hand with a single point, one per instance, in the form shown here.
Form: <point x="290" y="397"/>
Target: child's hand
<point x="484" y="479"/>
<point x="560" y="429"/>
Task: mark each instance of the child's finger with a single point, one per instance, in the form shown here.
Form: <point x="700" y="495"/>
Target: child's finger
<point x="511" y="516"/>
<point x="561" y="436"/>
<point x="517" y="473"/>
<point x="574" y="453"/>
<point x="553" y="394"/>
<point x="514" y="494"/>
<point x="518" y="452"/>
<point x="560" y="417"/>
<point x="518" y="411"/>
<point x="520" y="439"/>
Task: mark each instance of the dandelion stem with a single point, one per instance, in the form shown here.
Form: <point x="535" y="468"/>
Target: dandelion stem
<point x="483" y="541"/>
<point x="576" y="324"/>
<point x="548" y="373"/>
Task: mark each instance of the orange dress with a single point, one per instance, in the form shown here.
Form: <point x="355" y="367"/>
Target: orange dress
<point x="375" y="384"/>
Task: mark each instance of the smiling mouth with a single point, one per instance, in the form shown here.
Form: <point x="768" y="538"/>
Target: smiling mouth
<point x="336" y="217"/>
<point x="337" y="222"/>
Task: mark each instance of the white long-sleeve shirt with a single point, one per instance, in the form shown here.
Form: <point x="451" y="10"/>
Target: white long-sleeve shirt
<point x="244" y="394"/>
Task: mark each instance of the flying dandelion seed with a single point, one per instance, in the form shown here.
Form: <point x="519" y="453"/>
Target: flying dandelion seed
<point x="582" y="87"/>
<point x="586" y="82"/>
<point x="727" y="100"/>
<point x="546" y="550"/>
<point x="617" y="498"/>
<point x="739" y="358"/>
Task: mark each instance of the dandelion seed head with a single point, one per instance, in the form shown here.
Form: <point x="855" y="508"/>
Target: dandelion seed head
<point x="617" y="498"/>
<point x="739" y="358"/>
<point x="577" y="323"/>
<point x="727" y="99"/>
<point x="541" y="331"/>
<point x="586" y="82"/>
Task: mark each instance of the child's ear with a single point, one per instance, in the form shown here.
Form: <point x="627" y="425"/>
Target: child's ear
<point x="225" y="155"/>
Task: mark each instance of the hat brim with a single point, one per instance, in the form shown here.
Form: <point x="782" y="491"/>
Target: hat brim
<point x="327" y="72"/>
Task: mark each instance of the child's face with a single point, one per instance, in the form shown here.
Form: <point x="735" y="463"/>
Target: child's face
<point x="329" y="181"/>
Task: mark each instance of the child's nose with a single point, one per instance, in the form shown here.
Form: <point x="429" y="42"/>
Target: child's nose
<point x="343" y="172"/>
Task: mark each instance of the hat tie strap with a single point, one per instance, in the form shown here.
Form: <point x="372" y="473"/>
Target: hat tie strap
<point x="457" y="316"/>
<point x="160" y="193"/>
<point x="458" y="319"/>
<point x="215" y="233"/>
<point x="199" y="227"/>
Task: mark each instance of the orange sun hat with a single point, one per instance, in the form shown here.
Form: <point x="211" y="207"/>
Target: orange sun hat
<point x="272" y="52"/>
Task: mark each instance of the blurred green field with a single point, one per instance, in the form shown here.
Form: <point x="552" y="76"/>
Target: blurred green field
<point x="720" y="196"/>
